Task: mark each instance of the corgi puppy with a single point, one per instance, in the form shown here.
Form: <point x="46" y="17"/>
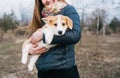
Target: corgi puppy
<point x="54" y="25"/>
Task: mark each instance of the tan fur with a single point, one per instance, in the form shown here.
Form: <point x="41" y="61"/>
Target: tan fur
<point x="53" y="19"/>
<point x="69" y="22"/>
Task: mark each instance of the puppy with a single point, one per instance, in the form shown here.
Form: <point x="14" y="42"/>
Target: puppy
<point x="54" y="25"/>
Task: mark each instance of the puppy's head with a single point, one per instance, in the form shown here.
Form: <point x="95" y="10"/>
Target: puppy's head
<point x="59" y="24"/>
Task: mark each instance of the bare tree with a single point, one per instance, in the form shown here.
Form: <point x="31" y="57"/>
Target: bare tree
<point x="82" y="7"/>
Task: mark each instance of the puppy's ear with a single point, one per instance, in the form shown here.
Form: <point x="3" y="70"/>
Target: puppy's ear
<point x="69" y="22"/>
<point x="47" y="19"/>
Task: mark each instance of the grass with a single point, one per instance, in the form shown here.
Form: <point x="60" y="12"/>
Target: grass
<point x="10" y="60"/>
<point x="100" y="60"/>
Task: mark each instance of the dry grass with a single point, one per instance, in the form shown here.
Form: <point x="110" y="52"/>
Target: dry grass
<point x="10" y="60"/>
<point x="94" y="61"/>
<point x="100" y="60"/>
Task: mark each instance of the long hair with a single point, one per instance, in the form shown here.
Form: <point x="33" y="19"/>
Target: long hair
<point x="36" y="19"/>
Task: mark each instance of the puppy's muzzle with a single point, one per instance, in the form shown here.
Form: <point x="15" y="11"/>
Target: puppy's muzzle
<point x="60" y="32"/>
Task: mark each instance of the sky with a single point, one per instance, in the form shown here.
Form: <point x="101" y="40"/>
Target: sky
<point x="19" y="6"/>
<point x="112" y="7"/>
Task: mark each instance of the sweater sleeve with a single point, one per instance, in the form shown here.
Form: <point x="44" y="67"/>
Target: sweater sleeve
<point x="71" y="36"/>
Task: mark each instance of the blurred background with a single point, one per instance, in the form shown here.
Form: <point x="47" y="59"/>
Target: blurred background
<point x="97" y="53"/>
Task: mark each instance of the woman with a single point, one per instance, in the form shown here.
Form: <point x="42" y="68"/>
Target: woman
<point x="57" y="62"/>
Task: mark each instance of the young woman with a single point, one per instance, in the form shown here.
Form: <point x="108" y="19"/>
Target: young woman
<point x="57" y="62"/>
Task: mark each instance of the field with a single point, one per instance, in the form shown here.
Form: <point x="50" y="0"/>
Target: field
<point x="94" y="60"/>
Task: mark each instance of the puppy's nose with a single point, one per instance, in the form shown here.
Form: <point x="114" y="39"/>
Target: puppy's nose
<point x="60" y="32"/>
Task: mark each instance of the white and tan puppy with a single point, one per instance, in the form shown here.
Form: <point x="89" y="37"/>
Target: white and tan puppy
<point x="55" y="25"/>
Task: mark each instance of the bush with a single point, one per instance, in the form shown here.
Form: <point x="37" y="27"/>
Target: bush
<point x="8" y="22"/>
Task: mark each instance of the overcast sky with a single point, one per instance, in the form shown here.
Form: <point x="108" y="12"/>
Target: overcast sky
<point x="17" y="6"/>
<point x="111" y="6"/>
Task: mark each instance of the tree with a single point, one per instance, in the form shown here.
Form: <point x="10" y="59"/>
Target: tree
<point x="97" y="20"/>
<point x="8" y="22"/>
<point x="82" y="7"/>
<point x="114" y="24"/>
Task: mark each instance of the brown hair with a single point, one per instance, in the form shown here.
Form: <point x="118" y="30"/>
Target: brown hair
<point x="36" y="20"/>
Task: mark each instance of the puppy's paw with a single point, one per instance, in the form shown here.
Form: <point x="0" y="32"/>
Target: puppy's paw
<point x="30" y="68"/>
<point x="24" y="61"/>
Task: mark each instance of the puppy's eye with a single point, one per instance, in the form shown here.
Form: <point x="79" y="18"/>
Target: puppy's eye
<point x="63" y="24"/>
<point x="55" y="24"/>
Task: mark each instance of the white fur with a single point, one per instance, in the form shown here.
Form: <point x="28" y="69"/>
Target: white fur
<point x="49" y="32"/>
<point x="25" y="49"/>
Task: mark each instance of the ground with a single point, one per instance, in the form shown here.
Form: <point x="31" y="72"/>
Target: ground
<point x="97" y="57"/>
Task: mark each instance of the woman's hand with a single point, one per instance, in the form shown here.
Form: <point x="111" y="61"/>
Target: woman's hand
<point x="34" y="50"/>
<point x="36" y="37"/>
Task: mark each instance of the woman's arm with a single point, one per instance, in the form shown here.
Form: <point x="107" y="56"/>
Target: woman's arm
<point x="71" y="36"/>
